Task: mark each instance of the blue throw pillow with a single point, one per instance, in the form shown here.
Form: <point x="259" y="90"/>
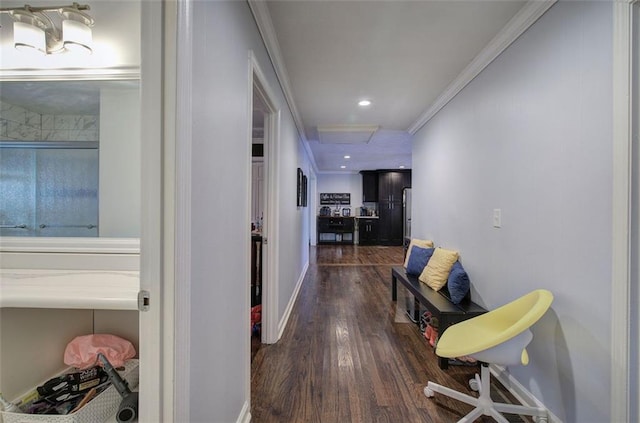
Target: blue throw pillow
<point x="458" y="283"/>
<point x="418" y="259"/>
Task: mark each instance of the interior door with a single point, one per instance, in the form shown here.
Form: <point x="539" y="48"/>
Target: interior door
<point x="156" y="236"/>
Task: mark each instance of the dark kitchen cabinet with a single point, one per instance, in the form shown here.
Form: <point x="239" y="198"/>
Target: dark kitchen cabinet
<point x="390" y="186"/>
<point x="390" y="223"/>
<point x="368" y="231"/>
<point x="369" y="186"/>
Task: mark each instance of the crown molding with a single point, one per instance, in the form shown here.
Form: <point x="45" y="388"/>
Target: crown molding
<point x="267" y="32"/>
<point x="520" y="22"/>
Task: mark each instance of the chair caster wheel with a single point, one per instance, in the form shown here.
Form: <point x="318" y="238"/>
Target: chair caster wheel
<point x="473" y="384"/>
<point x="428" y="392"/>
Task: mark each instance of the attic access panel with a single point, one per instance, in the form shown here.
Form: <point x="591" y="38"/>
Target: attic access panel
<point x="346" y="134"/>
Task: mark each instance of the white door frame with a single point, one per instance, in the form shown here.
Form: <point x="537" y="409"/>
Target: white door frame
<point x="259" y="86"/>
<point x="156" y="324"/>
<point x="635" y="207"/>
<point x="625" y="381"/>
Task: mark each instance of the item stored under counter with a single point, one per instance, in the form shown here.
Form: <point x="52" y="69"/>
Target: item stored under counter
<point x="99" y="409"/>
<point x="79" y="381"/>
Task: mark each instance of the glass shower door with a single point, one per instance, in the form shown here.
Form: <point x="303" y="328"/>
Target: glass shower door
<point x="17" y="192"/>
<point x="49" y="192"/>
<point x="67" y="192"/>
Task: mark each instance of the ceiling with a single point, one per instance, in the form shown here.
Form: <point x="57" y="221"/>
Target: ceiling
<point x="401" y="55"/>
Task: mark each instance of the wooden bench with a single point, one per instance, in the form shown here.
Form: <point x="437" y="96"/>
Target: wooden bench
<point x="436" y="302"/>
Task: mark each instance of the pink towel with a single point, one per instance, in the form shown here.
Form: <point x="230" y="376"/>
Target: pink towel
<point x="82" y="351"/>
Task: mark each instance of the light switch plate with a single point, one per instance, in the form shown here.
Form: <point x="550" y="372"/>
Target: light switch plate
<point x="497" y="218"/>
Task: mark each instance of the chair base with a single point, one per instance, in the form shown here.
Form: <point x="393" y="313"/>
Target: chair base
<point x="483" y="404"/>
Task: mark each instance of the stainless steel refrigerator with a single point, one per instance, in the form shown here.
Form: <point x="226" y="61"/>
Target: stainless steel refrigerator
<point x="406" y="213"/>
<point x="414" y="310"/>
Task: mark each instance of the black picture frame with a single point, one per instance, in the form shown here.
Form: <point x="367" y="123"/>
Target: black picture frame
<point x="299" y="188"/>
<point x="305" y="194"/>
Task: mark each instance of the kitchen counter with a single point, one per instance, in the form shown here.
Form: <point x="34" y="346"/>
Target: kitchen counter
<point x="336" y="229"/>
<point x="333" y="217"/>
<point x="347" y="217"/>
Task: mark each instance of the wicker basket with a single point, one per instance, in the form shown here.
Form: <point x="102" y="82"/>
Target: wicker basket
<point x="97" y="410"/>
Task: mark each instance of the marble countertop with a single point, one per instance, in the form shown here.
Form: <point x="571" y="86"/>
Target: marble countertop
<point x="86" y="289"/>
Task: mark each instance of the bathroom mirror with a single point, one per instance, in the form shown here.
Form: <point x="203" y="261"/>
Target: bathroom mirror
<point x="70" y="158"/>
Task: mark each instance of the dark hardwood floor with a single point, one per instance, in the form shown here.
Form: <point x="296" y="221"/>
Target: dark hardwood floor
<point x="347" y="355"/>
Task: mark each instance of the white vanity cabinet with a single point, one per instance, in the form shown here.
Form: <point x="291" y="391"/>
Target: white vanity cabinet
<point x="52" y="294"/>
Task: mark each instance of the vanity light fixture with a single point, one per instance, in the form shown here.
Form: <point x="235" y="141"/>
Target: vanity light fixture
<point x="28" y="32"/>
<point x="364" y="103"/>
<point x="34" y="30"/>
<point x="76" y="29"/>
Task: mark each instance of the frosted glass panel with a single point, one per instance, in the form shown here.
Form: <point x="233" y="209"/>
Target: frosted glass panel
<point x="67" y="192"/>
<point x="17" y="192"/>
<point x="48" y="192"/>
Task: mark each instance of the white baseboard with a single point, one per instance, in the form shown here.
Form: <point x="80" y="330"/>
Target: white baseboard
<point x="245" y="414"/>
<point x="518" y="390"/>
<point x="287" y="312"/>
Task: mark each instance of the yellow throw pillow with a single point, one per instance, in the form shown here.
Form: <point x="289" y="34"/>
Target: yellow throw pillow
<point x="436" y="272"/>
<point x="422" y="243"/>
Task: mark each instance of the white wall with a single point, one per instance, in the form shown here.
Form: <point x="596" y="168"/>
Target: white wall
<point x="223" y="34"/>
<point x="120" y="190"/>
<point x="532" y="136"/>
<point x="293" y="225"/>
<point x="335" y="182"/>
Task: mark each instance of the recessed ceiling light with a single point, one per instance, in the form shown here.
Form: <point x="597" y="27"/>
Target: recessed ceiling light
<point x="401" y="167"/>
<point x="364" y="103"/>
<point x="347" y="157"/>
<point x="343" y="167"/>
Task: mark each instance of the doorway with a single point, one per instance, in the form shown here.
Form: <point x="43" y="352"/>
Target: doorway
<point x="258" y="201"/>
<point x="264" y="132"/>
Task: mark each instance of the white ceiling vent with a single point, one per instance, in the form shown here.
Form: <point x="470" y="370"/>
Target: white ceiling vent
<point x="346" y="134"/>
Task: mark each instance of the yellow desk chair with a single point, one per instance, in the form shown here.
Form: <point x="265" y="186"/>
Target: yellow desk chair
<point x="496" y="337"/>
